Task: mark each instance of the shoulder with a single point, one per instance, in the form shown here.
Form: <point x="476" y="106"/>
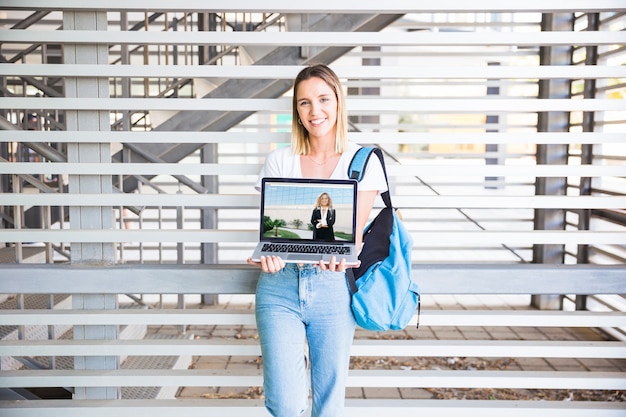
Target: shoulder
<point x="281" y="154"/>
<point x="373" y="164"/>
<point x="346" y="158"/>
<point x="281" y="162"/>
<point x="373" y="177"/>
<point x="351" y="149"/>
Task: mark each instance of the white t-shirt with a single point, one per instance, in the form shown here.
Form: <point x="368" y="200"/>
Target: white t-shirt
<point x="283" y="163"/>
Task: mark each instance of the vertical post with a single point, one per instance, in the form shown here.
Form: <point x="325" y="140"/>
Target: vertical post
<point x="180" y="256"/>
<point x="304" y="27"/>
<point x="367" y="91"/>
<point x="125" y="59"/>
<point x="208" y="215"/>
<point x="90" y="217"/>
<point x="584" y="215"/>
<point x="552" y="219"/>
<point x="17" y="219"/>
<point x="208" y="154"/>
<point x="206" y="22"/>
<point x="492" y="121"/>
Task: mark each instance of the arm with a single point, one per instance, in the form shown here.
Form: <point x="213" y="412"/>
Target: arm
<point x="315" y="217"/>
<point x="331" y="218"/>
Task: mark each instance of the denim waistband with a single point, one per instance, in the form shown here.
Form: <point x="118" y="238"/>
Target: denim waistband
<point x="302" y="267"/>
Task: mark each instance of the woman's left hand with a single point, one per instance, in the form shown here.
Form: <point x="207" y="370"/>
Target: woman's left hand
<point x="269" y="264"/>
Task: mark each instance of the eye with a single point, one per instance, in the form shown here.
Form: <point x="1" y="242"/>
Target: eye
<point x="304" y="102"/>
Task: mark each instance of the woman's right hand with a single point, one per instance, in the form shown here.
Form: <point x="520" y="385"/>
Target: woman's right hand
<point x="269" y="264"/>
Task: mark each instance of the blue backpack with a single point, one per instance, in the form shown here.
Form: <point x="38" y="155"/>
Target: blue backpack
<point x="384" y="297"/>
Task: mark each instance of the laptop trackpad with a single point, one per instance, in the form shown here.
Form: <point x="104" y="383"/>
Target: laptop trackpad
<point x="303" y="258"/>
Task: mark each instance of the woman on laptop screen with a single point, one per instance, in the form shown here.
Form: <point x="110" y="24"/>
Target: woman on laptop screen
<point x="323" y="218"/>
<point x="299" y="303"/>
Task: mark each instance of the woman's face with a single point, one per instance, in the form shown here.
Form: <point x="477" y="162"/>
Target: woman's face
<point x="324" y="200"/>
<point x="317" y="108"/>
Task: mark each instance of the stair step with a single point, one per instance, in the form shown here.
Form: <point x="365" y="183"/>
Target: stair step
<point x="156" y="362"/>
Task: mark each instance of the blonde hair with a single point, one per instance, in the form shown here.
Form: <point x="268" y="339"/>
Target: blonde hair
<point x="299" y="135"/>
<point x="318" y="201"/>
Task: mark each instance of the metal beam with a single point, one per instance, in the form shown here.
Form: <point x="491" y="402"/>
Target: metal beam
<point x="240" y="106"/>
<point x="201" y="138"/>
<point x="288" y="72"/>
<point x="242" y="279"/>
<point x="326" y="39"/>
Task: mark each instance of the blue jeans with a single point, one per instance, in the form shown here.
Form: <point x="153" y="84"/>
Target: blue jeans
<point x="294" y="304"/>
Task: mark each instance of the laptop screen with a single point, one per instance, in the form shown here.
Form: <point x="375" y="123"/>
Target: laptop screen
<point x="308" y="210"/>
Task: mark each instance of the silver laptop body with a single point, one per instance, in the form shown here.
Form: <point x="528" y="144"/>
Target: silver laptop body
<point x="287" y="211"/>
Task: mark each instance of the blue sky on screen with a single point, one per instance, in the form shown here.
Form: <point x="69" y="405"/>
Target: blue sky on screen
<point x="284" y="195"/>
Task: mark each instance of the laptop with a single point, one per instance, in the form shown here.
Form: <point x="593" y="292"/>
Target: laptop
<point x="290" y="222"/>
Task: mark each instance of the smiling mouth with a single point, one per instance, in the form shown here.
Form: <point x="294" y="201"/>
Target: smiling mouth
<point x="317" y="122"/>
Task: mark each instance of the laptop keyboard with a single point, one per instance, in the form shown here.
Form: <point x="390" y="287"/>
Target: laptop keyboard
<point x="297" y="248"/>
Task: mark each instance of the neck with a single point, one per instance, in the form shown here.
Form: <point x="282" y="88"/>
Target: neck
<point x="321" y="147"/>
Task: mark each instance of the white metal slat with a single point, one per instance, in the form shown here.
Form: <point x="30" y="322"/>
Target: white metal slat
<point x="222" y="201"/>
<point x="483" y="408"/>
<point x="412" y="348"/>
<point x="356" y="378"/>
<point x="434" y="278"/>
<point x="354" y="408"/>
<point x="428" y="239"/>
<point x="284" y="137"/>
<point x="289" y="72"/>
<point x="408" y="170"/>
<point x="327" y="39"/>
<point x="487" y="379"/>
<point x="490" y="348"/>
<point x="153" y="316"/>
<point x="444" y="318"/>
<point x="361" y="105"/>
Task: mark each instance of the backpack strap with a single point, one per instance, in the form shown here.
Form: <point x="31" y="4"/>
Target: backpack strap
<point x="358" y="164"/>
<point x="356" y="170"/>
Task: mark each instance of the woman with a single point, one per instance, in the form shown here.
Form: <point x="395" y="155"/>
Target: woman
<point x="297" y="302"/>
<point x="323" y="218"/>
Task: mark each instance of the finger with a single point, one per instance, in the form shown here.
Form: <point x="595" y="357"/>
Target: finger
<point x="342" y="265"/>
<point x="267" y="265"/>
<point x="332" y="265"/>
<point x="322" y="265"/>
<point x="273" y="264"/>
<point x="263" y="263"/>
<point x="279" y="263"/>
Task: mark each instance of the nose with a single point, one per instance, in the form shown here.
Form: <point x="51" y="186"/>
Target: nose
<point x="313" y="108"/>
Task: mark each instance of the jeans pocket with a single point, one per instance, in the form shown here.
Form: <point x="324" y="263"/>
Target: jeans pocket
<point x="333" y="275"/>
